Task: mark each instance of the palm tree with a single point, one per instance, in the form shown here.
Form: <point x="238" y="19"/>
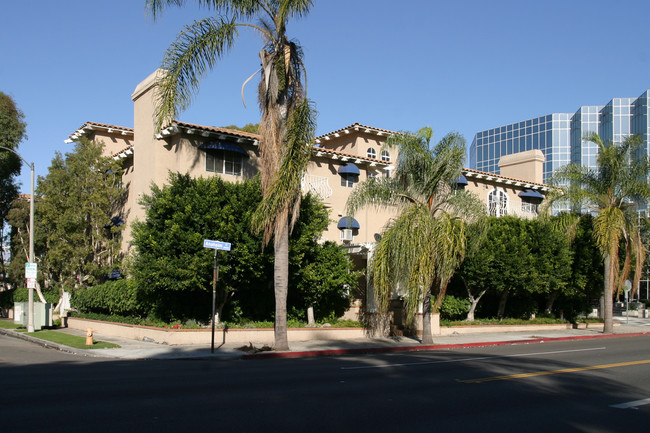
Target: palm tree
<point x="612" y="193"/>
<point x="422" y="247"/>
<point x="287" y="122"/>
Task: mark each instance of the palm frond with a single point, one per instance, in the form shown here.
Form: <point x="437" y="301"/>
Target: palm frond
<point x="195" y="51"/>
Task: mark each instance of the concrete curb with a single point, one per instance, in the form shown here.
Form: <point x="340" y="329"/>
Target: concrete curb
<point x="359" y="351"/>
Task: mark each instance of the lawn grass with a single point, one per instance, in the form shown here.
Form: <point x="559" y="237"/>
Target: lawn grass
<point x="69" y="340"/>
<point x="9" y="324"/>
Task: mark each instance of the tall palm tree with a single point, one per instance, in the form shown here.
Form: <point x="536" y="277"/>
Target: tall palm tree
<point x="612" y="193"/>
<point x="287" y="124"/>
<point x="421" y="248"/>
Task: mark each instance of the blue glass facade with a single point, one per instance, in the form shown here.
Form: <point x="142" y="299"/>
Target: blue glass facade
<point x="560" y="136"/>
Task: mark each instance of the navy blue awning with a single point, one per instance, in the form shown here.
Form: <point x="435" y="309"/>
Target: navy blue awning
<point x="348" y="223"/>
<point x="114" y="275"/>
<point x="462" y="180"/>
<point x="349" y="168"/>
<point x="115" y="221"/>
<point x="223" y="145"/>
<point x="529" y="193"/>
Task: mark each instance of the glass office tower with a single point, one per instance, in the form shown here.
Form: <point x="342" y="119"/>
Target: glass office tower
<point x="560" y="136"/>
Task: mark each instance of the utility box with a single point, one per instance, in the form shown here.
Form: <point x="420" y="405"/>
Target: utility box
<point x="42" y="314"/>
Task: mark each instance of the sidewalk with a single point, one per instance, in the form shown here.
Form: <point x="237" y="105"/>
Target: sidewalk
<point x="133" y="349"/>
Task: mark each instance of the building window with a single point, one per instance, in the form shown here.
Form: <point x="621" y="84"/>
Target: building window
<point x="371" y="153"/>
<point x="528" y="207"/>
<point x="223" y="163"/>
<point x="385" y="156"/>
<point x="348" y="180"/>
<point x="497" y="203"/>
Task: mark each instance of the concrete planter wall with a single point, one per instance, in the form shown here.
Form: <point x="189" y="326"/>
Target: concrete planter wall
<point x="203" y="336"/>
<point x="265" y="335"/>
<point x="481" y="329"/>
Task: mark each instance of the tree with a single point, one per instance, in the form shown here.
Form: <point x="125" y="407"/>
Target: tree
<point x="321" y="275"/>
<point x="174" y="271"/>
<point x="421" y="248"/>
<point x="502" y="263"/>
<point x="79" y="213"/>
<point x="170" y="264"/>
<point x="585" y="282"/>
<point x="12" y="132"/>
<point x="287" y="123"/>
<point x="249" y="127"/>
<point x="516" y="257"/>
<point x="611" y="192"/>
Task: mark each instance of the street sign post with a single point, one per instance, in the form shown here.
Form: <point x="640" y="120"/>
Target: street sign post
<point x="216" y="246"/>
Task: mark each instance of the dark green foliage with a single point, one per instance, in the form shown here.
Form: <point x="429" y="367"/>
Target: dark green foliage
<point x="174" y="271"/>
<point x="21" y="294"/>
<point x="171" y="265"/>
<point x="12" y="132"/>
<point x="454" y="308"/>
<point x="253" y="128"/>
<point x="320" y="275"/>
<point x="120" y="297"/>
<point x="520" y="263"/>
<point x="7" y="299"/>
<point x="585" y="283"/>
<point x="80" y="194"/>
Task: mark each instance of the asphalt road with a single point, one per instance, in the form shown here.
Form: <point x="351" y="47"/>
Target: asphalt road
<point x="570" y="386"/>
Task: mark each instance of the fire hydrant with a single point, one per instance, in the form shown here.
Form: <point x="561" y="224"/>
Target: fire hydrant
<point x="89" y="337"/>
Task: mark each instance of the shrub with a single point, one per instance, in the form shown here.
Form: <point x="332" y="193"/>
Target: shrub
<point x="22" y="295"/>
<point x="454" y="308"/>
<point x="120" y="297"/>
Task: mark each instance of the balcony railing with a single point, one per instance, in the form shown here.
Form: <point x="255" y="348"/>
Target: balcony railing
<point x="317" y="185"/>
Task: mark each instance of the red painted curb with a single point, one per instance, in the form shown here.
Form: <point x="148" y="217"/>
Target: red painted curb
<point x="358" y="351"/>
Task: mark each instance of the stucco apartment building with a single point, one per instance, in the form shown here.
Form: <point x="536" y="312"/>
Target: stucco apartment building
<point x="340" y="160"/>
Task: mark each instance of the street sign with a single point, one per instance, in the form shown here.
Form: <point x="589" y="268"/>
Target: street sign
<point x="216" y="245"/>
<point x="31" y="270"/>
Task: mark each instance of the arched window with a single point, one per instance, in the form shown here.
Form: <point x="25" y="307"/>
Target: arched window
<point x="385" y="156"/>
<point x="497" y="203"/>
<point x="371" y="153"/>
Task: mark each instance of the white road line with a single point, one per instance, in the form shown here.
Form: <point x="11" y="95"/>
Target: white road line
<point x="631" y="404"/>
<point x="470" y="359"/>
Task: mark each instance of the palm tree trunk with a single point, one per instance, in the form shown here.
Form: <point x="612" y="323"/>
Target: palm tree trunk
<point x="427" y="338"/>
<point x="608" y="304"/>
<point x="281" y="284"/>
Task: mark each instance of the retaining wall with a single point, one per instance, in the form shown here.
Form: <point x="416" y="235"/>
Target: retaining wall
<point x="204" y="336"/>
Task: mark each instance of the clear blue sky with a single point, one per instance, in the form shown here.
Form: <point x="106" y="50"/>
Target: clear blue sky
<point x="453" y="65"/>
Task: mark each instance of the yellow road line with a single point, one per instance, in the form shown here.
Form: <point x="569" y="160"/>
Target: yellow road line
<point x="545" y="373"/>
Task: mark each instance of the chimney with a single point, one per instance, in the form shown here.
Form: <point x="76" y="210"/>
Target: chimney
<point x="527" y="165"/>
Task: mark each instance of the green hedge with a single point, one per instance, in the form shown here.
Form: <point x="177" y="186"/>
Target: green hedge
<point x="22" y="295"/>
<point x="120" y="297"/>
<point x="453" y="308"/>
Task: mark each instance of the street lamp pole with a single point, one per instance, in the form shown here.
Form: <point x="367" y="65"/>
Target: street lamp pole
<point x="30" y="299"/>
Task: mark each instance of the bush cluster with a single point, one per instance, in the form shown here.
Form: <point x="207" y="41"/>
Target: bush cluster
<point x="120" y="297"/>
<point x="21" y="294"/>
